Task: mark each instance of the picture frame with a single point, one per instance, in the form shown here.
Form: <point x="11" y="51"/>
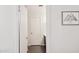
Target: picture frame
<point x="70" y="17"/>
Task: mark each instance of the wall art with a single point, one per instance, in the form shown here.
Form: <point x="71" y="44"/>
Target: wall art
<point x="70" y="17"/>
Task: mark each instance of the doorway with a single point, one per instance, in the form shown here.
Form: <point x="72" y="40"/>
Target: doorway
<point x="35" y="32"/>
<point x="36" y="29"/>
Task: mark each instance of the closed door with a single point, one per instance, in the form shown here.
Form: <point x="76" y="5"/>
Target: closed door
<point x="35" y="31"/>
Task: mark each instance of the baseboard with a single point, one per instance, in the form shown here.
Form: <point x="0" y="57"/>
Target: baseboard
<point x="36" y="45"/>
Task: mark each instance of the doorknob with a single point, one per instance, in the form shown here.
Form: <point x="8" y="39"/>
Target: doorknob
<point x="31" y="33"/>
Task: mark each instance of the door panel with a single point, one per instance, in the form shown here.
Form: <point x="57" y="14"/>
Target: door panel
<point x="35" y="31"/>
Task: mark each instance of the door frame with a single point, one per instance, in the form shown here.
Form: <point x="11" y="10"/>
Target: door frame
<point x="20" y="29"/>
<point x="19" y="20"/>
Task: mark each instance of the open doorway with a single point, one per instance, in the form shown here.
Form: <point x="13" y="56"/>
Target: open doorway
<point x="36" y="29"/>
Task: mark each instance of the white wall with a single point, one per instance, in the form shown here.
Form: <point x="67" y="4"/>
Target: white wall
<point x="61" y="38"/>
<point x="8" y="29"/>
<point x="43" y="20"/>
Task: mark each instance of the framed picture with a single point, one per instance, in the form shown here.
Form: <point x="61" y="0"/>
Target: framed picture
<point x="70" y="17"/>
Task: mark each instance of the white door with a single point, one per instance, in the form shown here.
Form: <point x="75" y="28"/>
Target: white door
<point x="35" y="31"/>
<point x="23" y="29"/>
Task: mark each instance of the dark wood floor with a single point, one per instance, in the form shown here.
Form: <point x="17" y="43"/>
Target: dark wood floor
<point x="36" y="49"/>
